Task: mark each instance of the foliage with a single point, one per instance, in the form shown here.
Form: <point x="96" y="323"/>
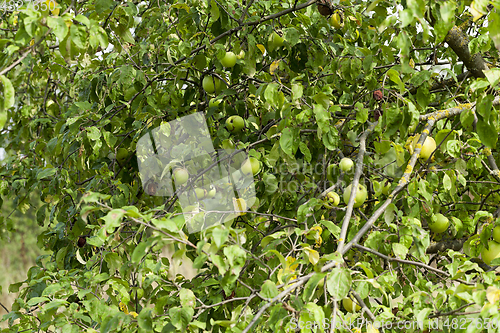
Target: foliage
<point x="82" y="80"/>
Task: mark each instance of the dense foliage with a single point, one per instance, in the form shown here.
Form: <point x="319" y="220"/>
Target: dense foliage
<point x="83" y="81"/>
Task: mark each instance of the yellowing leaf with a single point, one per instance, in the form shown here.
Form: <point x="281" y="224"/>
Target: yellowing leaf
<point x="290" y="266"/>
<point x="492" y="294"/>
<point x="313" y="255"/>
<point x="371" y="329"/>
<point x="274" y="66"/>
<point x="261" y="48"/>
<point x="123" y="307"/>
<point x="133" y="314"/>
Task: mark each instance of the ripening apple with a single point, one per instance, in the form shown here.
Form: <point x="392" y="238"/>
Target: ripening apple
<point x="346" y="164"/>
<point x="427" y="148"/>
<point x="439" y="223"/>
<point x="181" y="176"/>
<point x="361" y="195"/>
<point x="229" y="60"/>
<point x="211" y="84"/>
<point x="492" y="253"/>
<point x="336" y="20"/>
<point x="240" y="205"/>
<point x="251" y="166"/>
<point x="333" y="198"/>
<point x="274" y="41"/>
<point x="349" y="305"/>
<point x="496" y="234"/>
<point x="235" y="124"/>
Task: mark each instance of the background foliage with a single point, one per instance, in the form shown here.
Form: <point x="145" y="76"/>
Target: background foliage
<point x="82" y="79"/>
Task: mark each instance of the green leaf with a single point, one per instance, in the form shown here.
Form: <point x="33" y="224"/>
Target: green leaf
<point x="140" y="251"/>
<point x="311" y="286"/>
<point x="394" y="76"/>
<point x="338" y="283"/>
<point x="8" y="93"/>
<point x="187" y="297"/>
<point x="289" y="141"/>
<point x="37" y="300"/>
<point x="220" y="235"/>
<point x="113" y="219"/>
<point x="58" y="25"/>
<point x="484" y="131"/>
<point x="292" y="36"/>
<point x="269" y="289"/>
<point x="78" y="36"/>
<point x="181" y="317"/>
<point x="103" y="5"/>
<point x="46" y="173"/>
<point x="271" y="94"/>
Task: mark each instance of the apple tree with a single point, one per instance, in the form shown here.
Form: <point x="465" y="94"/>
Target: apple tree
<point x="406" y="89"/>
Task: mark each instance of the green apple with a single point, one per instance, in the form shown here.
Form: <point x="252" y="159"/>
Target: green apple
<point x="492" y="253"/>
<point x="212" y="192"/>
<point x="251" y="166"/>
<point x="329" y="172"/>
<point x="200" y="193"/>
<point x="346" y="164"/>
<point x="496" y="234"/>
<point x="361" y="195"/>
<point x="122" y="155"/>
<point x="334" y="198"/>
<point x="229" y="60"/>
<point x="336" y="20"/>
<point x="256" y="204"/>
<point x="428" y="147"/>
<point x="214" y="102"/>
<point x="211" y="84"/>
<point x="181" y="176"/>
<point x="349" y="305"/>
<point x="274" y="41"/>
<point x="439" y="223"/>
<point x="235" y="124"/>
<point x="227" y="144"/>
<point x="386" y="188"/>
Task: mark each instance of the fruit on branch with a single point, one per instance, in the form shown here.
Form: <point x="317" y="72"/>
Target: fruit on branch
<point x="496" y="234"/>
<point x="333" y="198"/>
<point x="346" y="164"/>
<point x="491" y="253"/>
<point x="274" y="41"/>
<point x="336" y="20"/>
<point x="235" y="124"/>
<point x="214" y="102"/>
<point x="349" y="305"/>
<point x="361" y="195"/>
<point x="427" y="148"/>
<point x="378" y="95"/>
<point x="122" y="155"/>
<point x="240" y="205"/>
<point x="181" y="176"/>
<point x="212" y="192"/>
<point x="324" y="7"/>
<point x="439" y="223"/>
<point x="200" y="193"/>
<point x="229" y="60"/>
<point x="211" y="84"/>
<point x="251" y="166"/>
